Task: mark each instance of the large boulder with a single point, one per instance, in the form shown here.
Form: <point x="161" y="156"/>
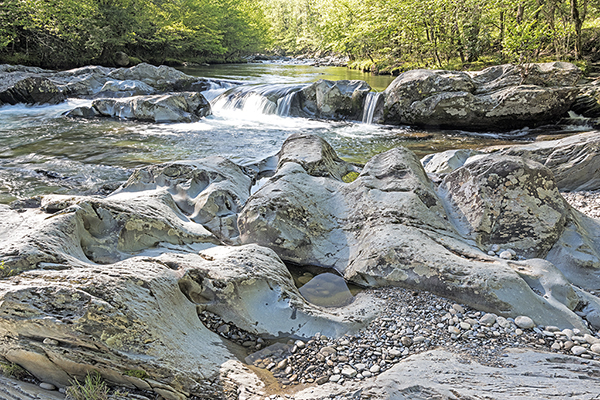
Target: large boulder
<point x="391" y="227"/>
<point x="508" y="201"/>
<point x="498" y="98"/>
<point x="178" y="107"/>
<point x="162" y="78"/>
<point x="32" y="90"/>
<point x="574" y="160"/>
<point x="587" y="103"/>
<point x="331" y="100"/>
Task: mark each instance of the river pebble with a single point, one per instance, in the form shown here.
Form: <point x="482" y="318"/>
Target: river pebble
<point x="409" y="323"/>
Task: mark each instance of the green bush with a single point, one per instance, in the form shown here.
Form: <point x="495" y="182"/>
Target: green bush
<point x="12" y="370"/>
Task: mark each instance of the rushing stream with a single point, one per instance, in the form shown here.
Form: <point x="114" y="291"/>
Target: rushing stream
<point x="42" y="152"/>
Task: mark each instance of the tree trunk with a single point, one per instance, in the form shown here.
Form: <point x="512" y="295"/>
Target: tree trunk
<point x="577" y="22"/>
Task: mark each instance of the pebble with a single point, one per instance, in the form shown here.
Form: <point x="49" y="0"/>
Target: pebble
<point x="51" y="342"/>
<point x="524" y="322"/>
<point x="506" y="255"/>
<point x="488" y="319"/>
<point x="578" y="350"/>
<point x="47" y="386"/>
<point x="408" y="324"/>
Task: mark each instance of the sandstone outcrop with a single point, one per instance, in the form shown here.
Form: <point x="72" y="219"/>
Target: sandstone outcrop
<point x="498" y="98"/>
<point x="391" y="226"/>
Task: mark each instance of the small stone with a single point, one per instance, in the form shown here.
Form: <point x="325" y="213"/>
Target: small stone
<point x="503" y="322"/>
<point x="578" y="350"/>
<point x="47" y="386"/>
<point x="327" y="351"/>
<point x="518" y="332"/>
<point x="360" y="367"/>
<point x="335" y="378"/>
<point x="271" y="366"/>
<point x="406" y="341"/>
<point x="282" y="364"/>
<point x="458" y="308"/>
<point x="495" y="248"/>
<point x="506" y="255"/>
<point x="223" y="329"/>
<point x="321" y="380"/>
<point x="454" y="330"/>
<point x="294" y="378"/>
<point x="394" y="353"/>
<point x="553" y="329"/>
<point x="248" y="344"/>
<point x="288" y="370"/>
<point x="300" y="344"/>
<point x="591" y="339"/>
<point x="487" y="319"/>
<point x="524" y="322"/>
<point x="367" y="374"/>
<point x="349" y="372"/>
<point x="465" y="325"/>
<point x="375" y="369"/>
<point x="556" y="346"/>
<point x="51" y="342"/>
<point x="568" y="345"/>
<point x="595" y="348"/>
<point x="419" y="339"/>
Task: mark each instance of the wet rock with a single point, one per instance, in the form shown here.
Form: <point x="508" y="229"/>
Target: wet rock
<point x="32" y="90"/>
<point x="501" y="97"/>
<point x="331" y="100"/>
<point x="180" y="107"/>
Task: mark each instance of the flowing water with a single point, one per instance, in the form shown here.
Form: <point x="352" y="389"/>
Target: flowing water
<point x="42" y="152"/>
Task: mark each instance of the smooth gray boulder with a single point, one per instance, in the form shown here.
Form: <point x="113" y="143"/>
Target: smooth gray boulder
<point x="446" y="161"/>
<point x="391" y="227"/>
<point x="178" y="107"/>
<point x="331" y="100"/>
<point x="497" y="98"/>
<point x="125" y="88"/>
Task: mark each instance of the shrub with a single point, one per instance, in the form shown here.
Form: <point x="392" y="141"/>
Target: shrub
<point x="92" y="388"/>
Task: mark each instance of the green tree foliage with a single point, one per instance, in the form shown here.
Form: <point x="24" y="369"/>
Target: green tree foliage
<point x="66" y="33"/>
<point x="433" y="32"/>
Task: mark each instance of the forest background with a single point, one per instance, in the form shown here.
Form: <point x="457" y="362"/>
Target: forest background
<point x="382" y="36"/>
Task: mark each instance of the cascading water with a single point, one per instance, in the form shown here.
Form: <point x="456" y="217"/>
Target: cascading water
<point x="262" y="99"/>
<point x="373" y="103"/>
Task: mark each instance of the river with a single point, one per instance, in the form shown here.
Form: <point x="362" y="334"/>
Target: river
<point x="43" y="152"/>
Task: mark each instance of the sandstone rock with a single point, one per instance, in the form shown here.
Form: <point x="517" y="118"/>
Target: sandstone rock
<point x="180" y="107"/>
<point x="389" y="226"/>
<point x="331" y="100"/>
<point x="32" y="90"/>
<point x="211" y="191"/>
<point x="587" y="102"/>
<point x="501" y="97"/>
<point x="574" y="160"/>
<point x="161" y="78"/>
<point x="508" y="201"/>
<point x="533" y="375"/>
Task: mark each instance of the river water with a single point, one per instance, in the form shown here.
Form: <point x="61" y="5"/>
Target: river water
<point x="43" y="152"/>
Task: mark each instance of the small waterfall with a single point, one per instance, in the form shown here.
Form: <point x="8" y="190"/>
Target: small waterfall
<point x="262" y="99"/>
<point x="373" y="101"/>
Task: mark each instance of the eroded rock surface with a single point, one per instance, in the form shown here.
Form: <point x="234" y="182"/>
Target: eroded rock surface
<point x="32" y="90"/>
<point x="390" y="226"/>
<point x="500" y="98"/>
